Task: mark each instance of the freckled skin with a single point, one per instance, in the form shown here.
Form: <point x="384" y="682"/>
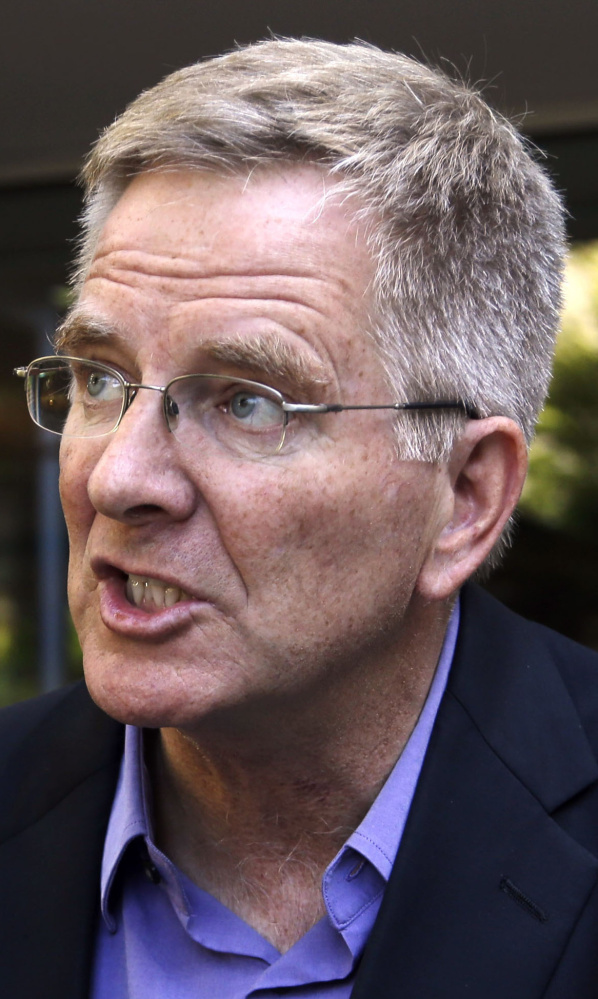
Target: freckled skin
<point x="306" y="565"/>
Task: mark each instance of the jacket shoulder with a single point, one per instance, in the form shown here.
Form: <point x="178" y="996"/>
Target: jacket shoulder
<point x="533" y="644"/>
<point x="18" y="721"/>
<point x="49" y="746"/>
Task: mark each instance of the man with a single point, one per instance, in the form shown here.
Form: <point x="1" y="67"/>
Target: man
<point x="317" y="299"/>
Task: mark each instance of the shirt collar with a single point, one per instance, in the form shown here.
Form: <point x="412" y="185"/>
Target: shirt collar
<point x="129" y="817"/>
<point x="376" y="840"/>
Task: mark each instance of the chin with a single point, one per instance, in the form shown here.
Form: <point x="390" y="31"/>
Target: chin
<point x="132" y="699"/>
<point x="147" y="694"/>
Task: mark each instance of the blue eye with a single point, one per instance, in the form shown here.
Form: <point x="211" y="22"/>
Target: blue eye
<point x="256" y="410"/>
<point x="103" y="386"/>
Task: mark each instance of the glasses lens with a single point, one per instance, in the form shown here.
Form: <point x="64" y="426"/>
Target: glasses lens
<point x="73" y="397"/>
<point x="245" y="418"/>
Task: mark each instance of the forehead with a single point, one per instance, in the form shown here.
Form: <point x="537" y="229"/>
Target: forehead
<point x="272" y="253"/>
<point x="294" y="210"/>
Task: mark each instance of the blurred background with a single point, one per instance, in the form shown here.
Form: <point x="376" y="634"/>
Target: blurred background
<point x="68" y="67"/>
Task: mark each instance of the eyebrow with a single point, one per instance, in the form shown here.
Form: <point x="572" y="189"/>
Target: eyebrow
<point x="268" y="354"/>
<point x="80" y="330"/>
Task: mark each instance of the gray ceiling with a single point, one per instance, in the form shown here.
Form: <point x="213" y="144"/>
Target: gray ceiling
<point x="68" y="66"/>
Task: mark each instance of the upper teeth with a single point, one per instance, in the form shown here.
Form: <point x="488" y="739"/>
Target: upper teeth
<point x="152" y="593"/>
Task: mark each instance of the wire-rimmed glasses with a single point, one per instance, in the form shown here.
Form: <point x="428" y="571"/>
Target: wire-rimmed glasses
<point x="75" y="397"/>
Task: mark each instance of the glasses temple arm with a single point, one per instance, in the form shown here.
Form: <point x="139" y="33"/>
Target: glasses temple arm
<point x="465" y="407"/>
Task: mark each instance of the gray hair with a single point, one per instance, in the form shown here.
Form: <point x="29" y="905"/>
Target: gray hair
<point x="465" y="226"/>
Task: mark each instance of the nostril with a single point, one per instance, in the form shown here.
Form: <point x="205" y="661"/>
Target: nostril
<point x="142" y="511"/>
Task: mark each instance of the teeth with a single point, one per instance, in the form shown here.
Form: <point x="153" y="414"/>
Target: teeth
<point x="151" y="594"/>
<point x="135" y="590"/>
<point x="171" y="595"/>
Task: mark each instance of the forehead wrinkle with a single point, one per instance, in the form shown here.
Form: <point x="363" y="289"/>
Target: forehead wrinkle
<point x="270" y="354"/>
<point x="128" y="266"/>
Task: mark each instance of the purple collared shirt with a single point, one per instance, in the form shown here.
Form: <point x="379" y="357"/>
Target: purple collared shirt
<point x="162" y="937"/>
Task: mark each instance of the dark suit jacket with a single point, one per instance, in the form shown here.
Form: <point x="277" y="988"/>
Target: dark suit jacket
<point x="494" y="892"/>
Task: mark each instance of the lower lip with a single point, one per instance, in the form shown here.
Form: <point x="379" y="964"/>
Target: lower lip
<point x="126" y="619"/>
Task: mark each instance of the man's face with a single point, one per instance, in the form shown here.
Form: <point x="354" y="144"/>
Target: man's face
<point x="297" y="572"/>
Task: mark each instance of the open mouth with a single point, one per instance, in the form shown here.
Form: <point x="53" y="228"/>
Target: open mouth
<point x="151" y="594"/>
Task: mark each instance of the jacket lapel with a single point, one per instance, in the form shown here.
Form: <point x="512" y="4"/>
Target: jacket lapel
<point x="487" y="886"/>
<point x="55" y="799"/>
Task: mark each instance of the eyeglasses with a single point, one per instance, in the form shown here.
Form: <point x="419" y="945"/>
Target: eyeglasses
<point x="75" y="397"/>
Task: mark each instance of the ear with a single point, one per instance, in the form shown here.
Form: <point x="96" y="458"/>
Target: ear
<point x="482" y="484"/>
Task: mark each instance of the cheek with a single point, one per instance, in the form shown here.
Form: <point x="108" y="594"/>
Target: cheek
<point x="330" y="529"/>
<point x="329" y="566"/>
<point x="74" y="475"/>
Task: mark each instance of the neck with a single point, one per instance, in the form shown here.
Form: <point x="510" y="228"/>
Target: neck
<point x="254" y="806"/>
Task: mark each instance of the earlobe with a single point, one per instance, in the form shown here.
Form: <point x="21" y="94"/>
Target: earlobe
<point x="484" y="479"/>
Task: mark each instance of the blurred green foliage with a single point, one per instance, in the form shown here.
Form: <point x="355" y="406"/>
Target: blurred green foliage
<point x="549" y="575"/>
<point x="562" y="487"/>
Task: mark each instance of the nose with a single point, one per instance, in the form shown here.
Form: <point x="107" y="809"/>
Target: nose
<point x="139" y="475"/>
